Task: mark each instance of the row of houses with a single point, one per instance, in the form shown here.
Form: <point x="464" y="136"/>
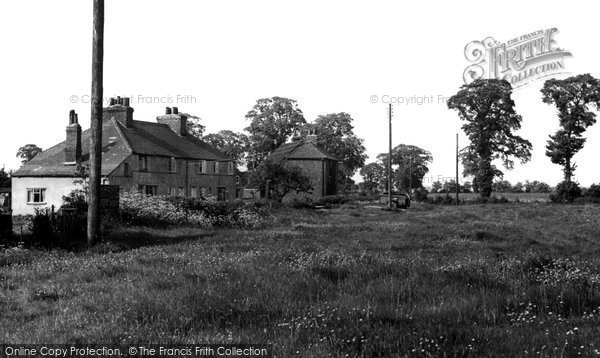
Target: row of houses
<point x="156" y="158"/>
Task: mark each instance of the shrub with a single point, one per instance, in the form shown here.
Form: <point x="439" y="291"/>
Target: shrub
<point x="140" y="209"/>
<point x="331" y="200"/>
<point x="421" y="195"/>
<point x="305" y="202"/>
<point x="566" y="192"/>
<point x="593" y="191"/>
<point x="50" y="229"/>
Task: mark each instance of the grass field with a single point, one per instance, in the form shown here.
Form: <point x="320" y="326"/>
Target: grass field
<point x="475" y="280"/>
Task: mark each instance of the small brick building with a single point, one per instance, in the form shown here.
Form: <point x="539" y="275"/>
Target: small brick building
<point x="154" y="158"/>
<point x="315" y="162"/>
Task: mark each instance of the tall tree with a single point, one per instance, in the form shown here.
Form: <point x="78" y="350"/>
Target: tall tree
<point x="412" y="165"/>
<point x="233" y="144"/>
<point x="28" y="152"/>
<point x="335" y="134"/>
<point x="488" y="110"/>
<point x="572" y="97"/>
<point x="282" y="179"/>
<point x="373" y="174"/>
<point x="194" y="126"/>
<point x="272" y="121"/>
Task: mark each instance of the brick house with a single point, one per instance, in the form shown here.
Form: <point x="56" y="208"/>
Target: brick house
<point x="318" y="165"/>
<point x="154" y="158"/>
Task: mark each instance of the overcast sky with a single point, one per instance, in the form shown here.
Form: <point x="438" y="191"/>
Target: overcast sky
<point x="329" y="56"/>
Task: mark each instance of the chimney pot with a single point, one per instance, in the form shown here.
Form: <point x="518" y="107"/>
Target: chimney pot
<point x="175" y="110"/>
<point x="71" y="116"/>
<point x="126" y="101"/>
<point x="76" y="118"/>
<point x="168" y="110"/>
<point x="119" y="100"/>
<point x="111" y="101"/>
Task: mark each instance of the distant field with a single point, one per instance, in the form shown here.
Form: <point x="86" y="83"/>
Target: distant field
<point x="523" y="197"/>
<point x="444" y="281"/>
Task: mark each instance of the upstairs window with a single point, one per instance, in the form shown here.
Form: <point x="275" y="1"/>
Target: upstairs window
<point x="36" y="196"/>
<point x="126" y="172"/>
<point x="172" y="165"/>
<point x="216" y="167"/>
<point x="142" y="163"/>
<point x="230" y="168"/>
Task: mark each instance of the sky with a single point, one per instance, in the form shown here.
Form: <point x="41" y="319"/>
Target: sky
<point x="214" y="59"/>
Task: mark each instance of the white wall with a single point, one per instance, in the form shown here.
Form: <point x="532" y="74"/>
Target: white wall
<point x="56" y="188"/>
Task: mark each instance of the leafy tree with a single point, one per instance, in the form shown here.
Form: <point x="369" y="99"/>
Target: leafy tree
<point x="536" y="187"/>
<point x="335" y="134"/>
<point x="272" y="121"/>
<point x="488" y="110"/>
<point x="502" y="186"/>
<point x="28" y="152"/>
<point x="572" y="97"/>
<point x="373" y="174"/>
<point x="283" y="179"/>
<point x="436" y="186"/>
<point x="518" y="187"/>
<point x="233" y="144"/>
<point x="467" y="187"/>
<point x="411" y="161"/>
<point x="450" y="186"/>
<point x="4" y="178"/>
<point x="193" y="125"/>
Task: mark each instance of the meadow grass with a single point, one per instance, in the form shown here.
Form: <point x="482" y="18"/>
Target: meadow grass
<point x="475" y="280"/>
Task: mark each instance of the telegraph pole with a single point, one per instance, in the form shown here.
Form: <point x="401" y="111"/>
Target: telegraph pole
<point x="410" y="176"/>
<point x="390" y="158"/>
<point x="457" y="185"/>
<point x="93" y="222"/>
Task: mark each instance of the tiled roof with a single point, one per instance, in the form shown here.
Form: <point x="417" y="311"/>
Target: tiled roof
<point x="119" y="142"/>
<point x="299" y="150"/>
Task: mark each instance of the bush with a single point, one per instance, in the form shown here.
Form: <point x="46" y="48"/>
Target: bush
<point x="566" y="192"/>
<point x="421" y="195"/>
<point x="331" y="200"/>
<point x="593" y="191"/>
<point x="305" y="202"/>
<point x="140" y="209"/>
<point x="50" y="229"/>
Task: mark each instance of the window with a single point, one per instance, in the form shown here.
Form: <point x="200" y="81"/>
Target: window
<point x="126" y="169"/>
<point x="194" y="192"/>
<point x="36" y="196"/>
<point x="172" y="165"/>
<point x="148" y="189"/>
<point x="230" y="168"/>
<point x="237" y="193"/>
<point x="237" y="179"/>
<point x="215" y="167"/>
<point x="200" y="167"/>
<point x="204" y="192"/>
<point x="142" y="163"/>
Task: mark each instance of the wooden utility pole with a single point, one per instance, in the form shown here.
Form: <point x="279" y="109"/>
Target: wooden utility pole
<point x="390" y="157"/>
<point x="410" y="175"/>
<point x="457" y="185"/>
<point x="93" y="222"/>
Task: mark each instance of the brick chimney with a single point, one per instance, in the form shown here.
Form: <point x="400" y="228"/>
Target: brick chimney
<point x="177" y="122"/>
<point x="73" y="147"/>
<point x="119" y="109"/>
